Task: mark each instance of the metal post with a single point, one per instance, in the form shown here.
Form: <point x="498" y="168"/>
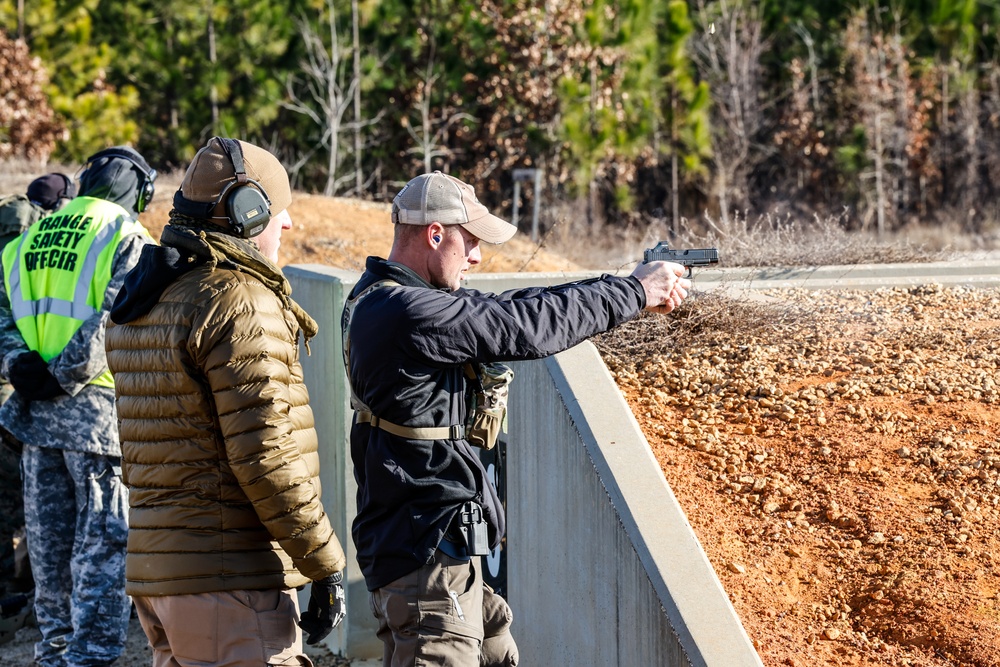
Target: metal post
<point x="538" y="201"/>
<point x="517" y="201"/>
<point x="534" y="175"/>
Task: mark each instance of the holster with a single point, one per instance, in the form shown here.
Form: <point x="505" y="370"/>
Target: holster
<point x="469" y="529"/>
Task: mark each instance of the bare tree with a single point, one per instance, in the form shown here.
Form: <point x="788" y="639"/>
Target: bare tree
<point x="356" y="41"/>
<point x="886" y="102"/>
<point x="728" y="53"/>
<point x="812" y="62"/>
<point x="991" y="136"/>
<point x="968" y="115"/>
<point x="325" y="94"/>
<point x="22" y="88"/>
<point x="431" y="130"/>
<point x="799" y="135"/>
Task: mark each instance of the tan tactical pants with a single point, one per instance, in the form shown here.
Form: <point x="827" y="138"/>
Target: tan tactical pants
<point x="444" y="615"/>
<point x="232" y="628"/>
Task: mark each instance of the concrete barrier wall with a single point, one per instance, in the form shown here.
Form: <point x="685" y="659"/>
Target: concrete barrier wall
<point x="322" y="291"/>
<point x="974" y="272"/>
<point x="602" y="566"/>
<point x="977" y="272"/>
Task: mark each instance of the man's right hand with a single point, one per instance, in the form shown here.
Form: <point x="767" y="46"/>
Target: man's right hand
<point x="327" y="608"/>
<point x="664" y="285"/>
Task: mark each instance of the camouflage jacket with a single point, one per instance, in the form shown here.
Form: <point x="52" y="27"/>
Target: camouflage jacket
<point x="84" y="420"/>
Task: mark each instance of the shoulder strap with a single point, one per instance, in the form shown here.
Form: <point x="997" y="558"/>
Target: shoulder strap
<point x="345" y="330"/>
<point x="364" y="413"/>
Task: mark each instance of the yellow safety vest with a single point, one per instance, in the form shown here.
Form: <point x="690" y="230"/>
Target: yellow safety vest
<point x="57" y="272"/>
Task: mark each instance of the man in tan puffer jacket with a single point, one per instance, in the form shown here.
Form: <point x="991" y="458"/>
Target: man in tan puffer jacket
<point x="218" y="446"/>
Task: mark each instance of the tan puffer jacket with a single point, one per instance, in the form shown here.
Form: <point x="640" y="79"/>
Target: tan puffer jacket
<point x="218" y="446"/>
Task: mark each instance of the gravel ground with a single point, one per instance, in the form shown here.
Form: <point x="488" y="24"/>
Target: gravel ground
<point x="837" y="454"/>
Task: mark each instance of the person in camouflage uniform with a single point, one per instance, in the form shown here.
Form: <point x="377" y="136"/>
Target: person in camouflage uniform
<point x="59" y="279"/>
<point x="45" y="194"/>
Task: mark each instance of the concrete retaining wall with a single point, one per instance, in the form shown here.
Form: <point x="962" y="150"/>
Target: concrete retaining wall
<point x="974" y="272"/>
<point x="978" y="272"/>
<point x="602" y="566"/>
<point x="322" y="291"/>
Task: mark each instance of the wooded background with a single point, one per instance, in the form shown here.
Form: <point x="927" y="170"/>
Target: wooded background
<point x="635" y="110"/>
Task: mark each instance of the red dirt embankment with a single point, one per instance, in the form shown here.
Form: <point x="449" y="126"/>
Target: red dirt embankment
<point x="837" y="454"/>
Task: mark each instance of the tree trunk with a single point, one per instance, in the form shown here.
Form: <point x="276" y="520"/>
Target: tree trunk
<point x="879" y="172"/>
<point x="675" y="219"/>
<point x="722" y="193"/>
<point x="331" y="167"/>
<point x="904" y="193"/>
<point x="945" y="131"/>
<point x="971" y="158"/>
<point x="333" y="103"/>
<point x="213" y="92"/>
<point x="358" y="177"/>
<point x="593" y="215"/>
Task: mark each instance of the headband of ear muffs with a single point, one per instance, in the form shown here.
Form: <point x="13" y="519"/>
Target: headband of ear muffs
<point x="248" y="208"/>
<point x="146" y="188"/>
<point x="68" y="191"/>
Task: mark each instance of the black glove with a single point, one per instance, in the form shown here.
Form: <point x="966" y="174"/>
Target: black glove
<point x="30" y="376"/>
<point x="327" y="608"/>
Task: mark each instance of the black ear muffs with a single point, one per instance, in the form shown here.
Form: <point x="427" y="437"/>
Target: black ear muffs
<point x="248" y="208"/>
<point x="146" y="189"/>
<point x="68" y="191"/>
<point x="247" y="204"/>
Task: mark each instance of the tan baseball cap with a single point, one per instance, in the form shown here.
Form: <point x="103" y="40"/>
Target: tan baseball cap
<point x="211" y="171"/>
<point x="444" y="199"/>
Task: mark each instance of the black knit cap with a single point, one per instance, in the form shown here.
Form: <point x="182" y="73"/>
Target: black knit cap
<point x="47" y="190"/>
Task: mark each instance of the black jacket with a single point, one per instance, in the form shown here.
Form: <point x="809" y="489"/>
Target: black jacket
<point x="407" y="347"/>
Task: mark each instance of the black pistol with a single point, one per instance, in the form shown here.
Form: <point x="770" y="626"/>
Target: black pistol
<point x="689" y="258"/>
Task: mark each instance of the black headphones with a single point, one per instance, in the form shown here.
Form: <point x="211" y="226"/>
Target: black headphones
<point x="68" y="191"/>
<point x="146" y="188"/>
<point x="248" y="209"/>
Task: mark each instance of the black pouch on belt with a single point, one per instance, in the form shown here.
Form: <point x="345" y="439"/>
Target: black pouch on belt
<point x="473" y="529"/>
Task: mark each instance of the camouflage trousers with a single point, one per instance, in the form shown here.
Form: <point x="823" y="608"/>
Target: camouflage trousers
<point x="75" y="510"/>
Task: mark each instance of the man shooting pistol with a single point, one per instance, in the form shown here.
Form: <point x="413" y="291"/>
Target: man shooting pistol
<point x="686" y="258"/>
